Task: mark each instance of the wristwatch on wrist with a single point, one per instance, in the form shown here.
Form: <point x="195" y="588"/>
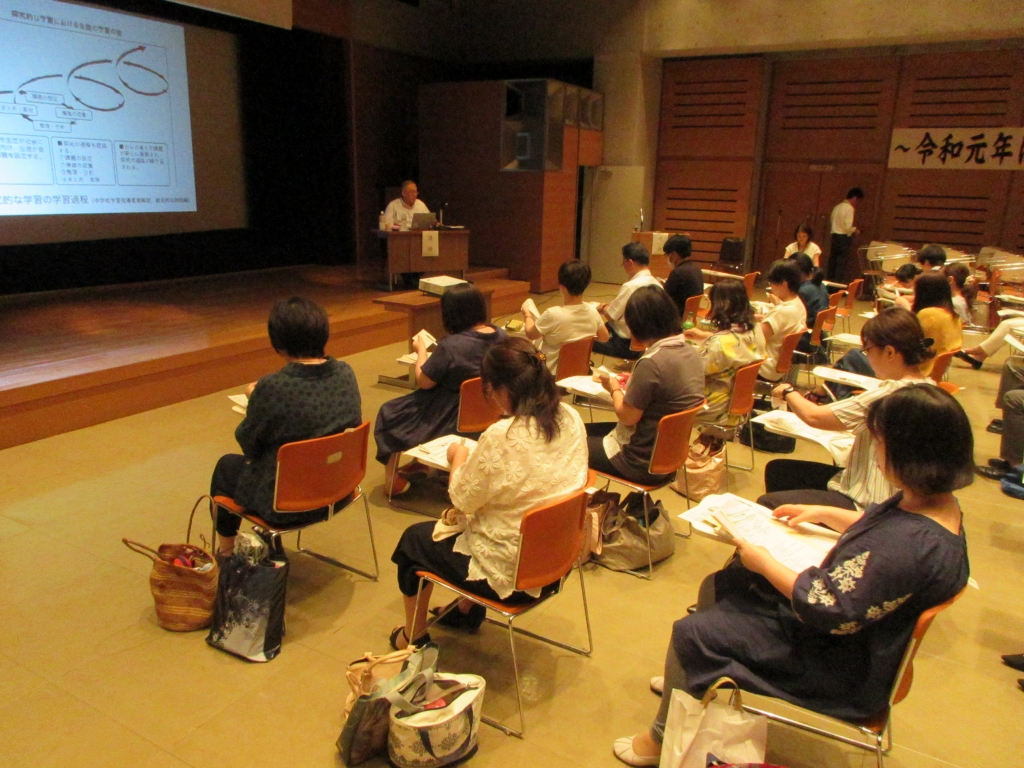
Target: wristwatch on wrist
<point x="786" y="392"/>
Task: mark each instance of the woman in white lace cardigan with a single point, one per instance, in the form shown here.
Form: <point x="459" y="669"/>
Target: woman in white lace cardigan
<point x="536" y="454"/>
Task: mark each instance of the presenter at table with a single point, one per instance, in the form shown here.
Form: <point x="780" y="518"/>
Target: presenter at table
<point x="398" y="214"/>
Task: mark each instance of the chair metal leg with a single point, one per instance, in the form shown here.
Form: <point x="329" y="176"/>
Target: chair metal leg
<point x="647" y="533"/>
<point x="373" y="547"/>
<point x="740" y="466"/>
<point x="519" y="693"/>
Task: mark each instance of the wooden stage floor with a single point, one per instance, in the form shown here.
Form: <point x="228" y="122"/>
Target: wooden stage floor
<point x="70" y="359"/>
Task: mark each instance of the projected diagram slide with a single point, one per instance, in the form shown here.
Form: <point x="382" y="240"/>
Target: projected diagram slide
<point x="93" y="112"/>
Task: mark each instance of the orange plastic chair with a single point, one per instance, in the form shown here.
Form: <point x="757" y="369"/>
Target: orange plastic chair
<point x="825" y="320"/>
<point x="692" y="309"/>
<point x="574" y="358"/>
<point x="748" y="282"/>
<point x="476" y="413"/>
<point x="322" y="472"/>
<point x="671" y="447"/>
<point x="786" y="352"/>
<point x="835" y="298"/>
<point x="878" y="728"/>
<point x="845" y="312"/>
<point x="741" y="403"/>
<point x="550" y="539"/>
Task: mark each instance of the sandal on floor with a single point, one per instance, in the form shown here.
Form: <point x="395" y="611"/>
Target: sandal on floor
<point x="399" y="631"/>
<point x="623" y="749"/>
<point x="456" y="619"/>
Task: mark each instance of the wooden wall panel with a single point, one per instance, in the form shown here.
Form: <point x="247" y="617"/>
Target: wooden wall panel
<point x="832" y="109"/>
<point x="558" y="227"/>
<point x="709" y="107"/>
<point x="954" y="90"/>
<point x="460" y="162"/>
<point x="708" y="200"/>
<point x="962" y="209"/>
<point x="1013" y="226"/>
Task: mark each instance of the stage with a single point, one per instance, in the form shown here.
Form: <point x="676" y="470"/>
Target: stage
<point x="71" y="359"/>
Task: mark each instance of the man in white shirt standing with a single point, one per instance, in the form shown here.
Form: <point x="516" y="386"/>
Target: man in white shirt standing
<point x="842" y="235"/>
<point x="635" y="261"/>
<point x="398" y="214"/>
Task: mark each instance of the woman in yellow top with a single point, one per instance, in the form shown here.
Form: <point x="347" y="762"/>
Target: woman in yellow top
<point x="933" y="305"/>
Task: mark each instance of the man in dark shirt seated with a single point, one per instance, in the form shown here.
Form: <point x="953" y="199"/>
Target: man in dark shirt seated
<point x="686" y="279"/>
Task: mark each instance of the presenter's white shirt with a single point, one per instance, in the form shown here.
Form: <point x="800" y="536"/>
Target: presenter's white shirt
<point x="397" y="211"/>
<point x="842" y="219"/>
<point x="811" y="250"/>
<point x="617" y="308"/>
<point x="560" y="325"/>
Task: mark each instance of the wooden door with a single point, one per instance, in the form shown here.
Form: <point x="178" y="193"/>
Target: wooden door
<point x="789" y="198"/>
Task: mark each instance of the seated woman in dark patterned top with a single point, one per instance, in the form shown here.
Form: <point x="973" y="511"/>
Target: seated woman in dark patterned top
<point x="312" y="396"/>
<point x="433" y="409"/>
<point x="831" y="638"/>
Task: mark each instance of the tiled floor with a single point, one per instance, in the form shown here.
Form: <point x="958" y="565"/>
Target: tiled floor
<point x="87" y="678"/>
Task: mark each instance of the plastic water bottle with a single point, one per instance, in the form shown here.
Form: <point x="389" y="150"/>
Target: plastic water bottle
<point x="381" y="224"/>
<point x="529" y="687"/>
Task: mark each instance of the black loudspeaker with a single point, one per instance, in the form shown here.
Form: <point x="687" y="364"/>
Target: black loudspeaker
<point x="732" y="250"/>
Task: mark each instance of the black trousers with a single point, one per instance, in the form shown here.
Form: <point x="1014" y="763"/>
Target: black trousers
<point x="838" y="256"/>
<point x="616" y="346"/>
<point x="417" y="551"/>
<point x="789" y="481"/>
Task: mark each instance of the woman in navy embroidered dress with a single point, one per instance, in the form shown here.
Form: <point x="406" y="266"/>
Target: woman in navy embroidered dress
<point x="831" y="638"/>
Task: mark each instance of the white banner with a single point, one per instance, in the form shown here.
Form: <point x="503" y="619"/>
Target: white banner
<point x="958" y="149"/>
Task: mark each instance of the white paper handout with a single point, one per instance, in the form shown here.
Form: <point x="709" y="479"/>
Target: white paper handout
<point x="847" y="377"/>
<point x="838" y="444"/>
<point x="586" y="386"/>
<point x="426" y="337"/>
<point x="435" y="453"/>
<point x="530" y="308"/>
<point x="796" y="548"/>
<point x="241" y="403"/>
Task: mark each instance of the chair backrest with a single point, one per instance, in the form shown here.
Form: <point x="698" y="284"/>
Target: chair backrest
<point x="692" y="307"/>
<point x="835" y="298"/>
<point x="789" y="344"/>
<point x="742" y="400"/>
<point x="905" y="675"/>
<point x="748" y="282"/>
<point x="852" y="292"/>
<point x="941" y="365"/>
<point x="316" y="473"/>
<point x="825" y="320"/>
<point x="574" y="358"/>
<point x="550" y="538"/>
<point x="476" y="412"/>
<point x="673" y="440"/>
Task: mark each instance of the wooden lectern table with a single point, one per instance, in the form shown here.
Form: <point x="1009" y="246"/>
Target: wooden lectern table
<point x="405" y="253"/>
<point x="422" y="311"/>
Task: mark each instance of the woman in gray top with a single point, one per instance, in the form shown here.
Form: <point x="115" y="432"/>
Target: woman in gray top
<point x="668" y="378"/>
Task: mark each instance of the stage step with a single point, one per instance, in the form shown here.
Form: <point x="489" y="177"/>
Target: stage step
<point x="475" y="273"/>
